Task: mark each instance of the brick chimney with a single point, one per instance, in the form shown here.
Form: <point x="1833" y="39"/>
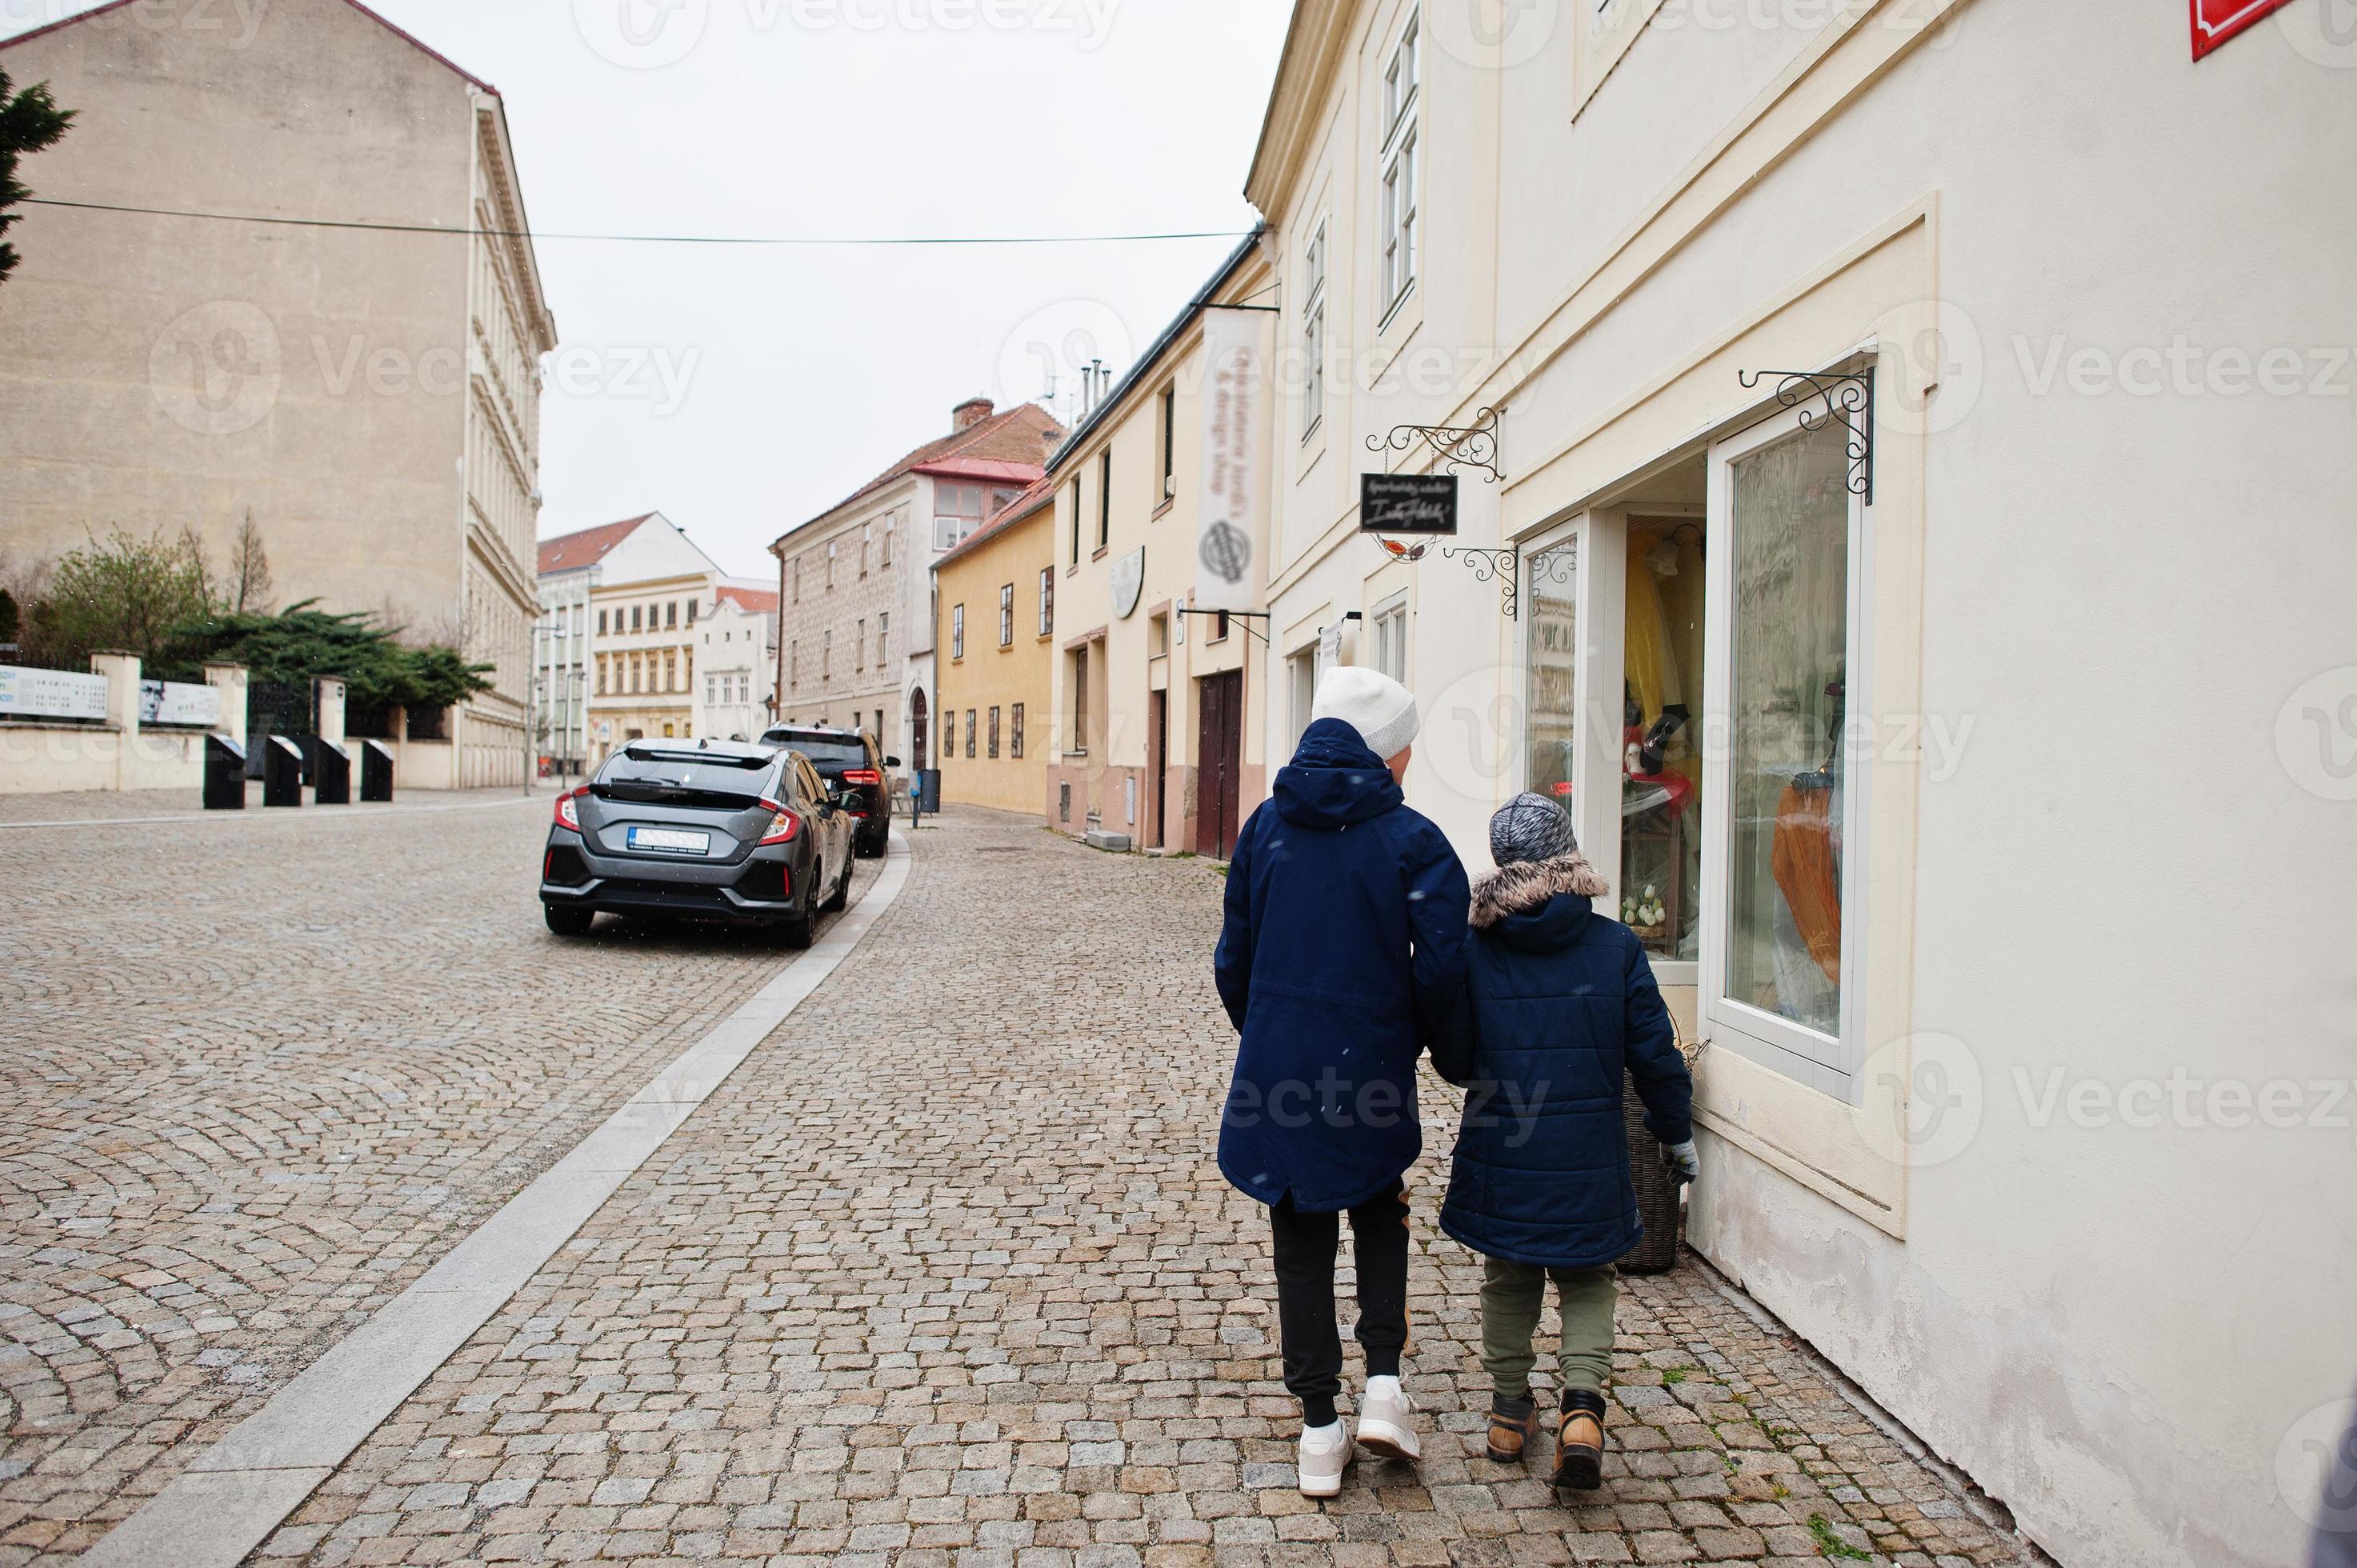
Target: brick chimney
<point x="970" y="413"/>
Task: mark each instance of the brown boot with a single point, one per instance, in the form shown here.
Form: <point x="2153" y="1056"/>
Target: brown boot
<point x="1579" y="1445"/>
<point x="1514" y="1428"/>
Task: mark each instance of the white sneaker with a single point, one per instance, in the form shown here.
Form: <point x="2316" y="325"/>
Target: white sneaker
<point x="1383" y="1421"/>
<point x="1325" y="1452"/>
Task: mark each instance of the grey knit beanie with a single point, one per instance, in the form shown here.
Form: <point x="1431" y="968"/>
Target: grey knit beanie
<point x="1531" y="827"/>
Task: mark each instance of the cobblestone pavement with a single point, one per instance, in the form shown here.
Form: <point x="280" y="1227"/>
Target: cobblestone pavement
<point x="945" y="1274"/>
<point x="258" y="1073"/>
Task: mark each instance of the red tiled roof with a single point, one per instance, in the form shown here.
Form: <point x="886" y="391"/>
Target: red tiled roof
<point x="400" y="33"/>
<point x="569" y="552"/>
<point x="1018" y="438"/>
<point x="989" y="470"/>
<point x="755" y="601"/>
<point x="1040" y="493"/>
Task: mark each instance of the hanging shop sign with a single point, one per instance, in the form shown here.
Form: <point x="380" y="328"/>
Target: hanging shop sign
<point x="1407" y="503"/>
<point x="1236" y="413"/>
<point x="2215" y="21"/>
<point x="51" y="694"/>
<point x="1127" y="580"/>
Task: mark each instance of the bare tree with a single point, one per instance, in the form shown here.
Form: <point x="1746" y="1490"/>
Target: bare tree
<point x="249" y="570"/>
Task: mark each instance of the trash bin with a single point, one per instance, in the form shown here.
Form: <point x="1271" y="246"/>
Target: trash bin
<point x="929" y="788"/>
<point x="224" y="773"/>
<point x="331" y="774"/>
<point x="282" y="772"/>
<point x="376" y="770"/>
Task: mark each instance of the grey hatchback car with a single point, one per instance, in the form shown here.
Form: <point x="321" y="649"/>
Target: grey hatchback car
<point x="702" y="830"/>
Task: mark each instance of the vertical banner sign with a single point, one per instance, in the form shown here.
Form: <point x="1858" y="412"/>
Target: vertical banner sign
<point x="2215" y="21"/>
<point x="1236" y="399"/>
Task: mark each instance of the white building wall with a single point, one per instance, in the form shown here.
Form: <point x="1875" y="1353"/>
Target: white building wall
<point x="2137" y="876"/>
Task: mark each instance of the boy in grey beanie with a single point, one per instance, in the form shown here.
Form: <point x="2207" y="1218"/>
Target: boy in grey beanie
<point x="1561" y="1000"/>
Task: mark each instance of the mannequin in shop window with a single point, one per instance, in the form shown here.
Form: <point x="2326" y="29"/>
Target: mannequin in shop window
<point x="1806" y="858"/>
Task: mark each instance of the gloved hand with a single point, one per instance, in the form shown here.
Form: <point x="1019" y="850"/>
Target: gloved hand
<point x="1680" y="1158"/>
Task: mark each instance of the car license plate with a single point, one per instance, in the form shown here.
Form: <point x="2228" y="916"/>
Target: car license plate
<point x="671" y="840"/>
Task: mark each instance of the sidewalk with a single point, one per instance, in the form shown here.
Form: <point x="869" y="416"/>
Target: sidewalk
<point x="944" y="1275"/>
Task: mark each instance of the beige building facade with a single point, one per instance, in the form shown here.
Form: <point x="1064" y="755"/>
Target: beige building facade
<point x="1157" y="733"/>
<point x="994" y="643"/>
<point x="1809" y="357"/>
<point x="645" y="589"/>
<point x="855" y="634"/>
<point x="371" y="398"/>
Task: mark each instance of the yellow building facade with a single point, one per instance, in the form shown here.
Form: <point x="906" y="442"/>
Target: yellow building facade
<point x="993" y="641"/>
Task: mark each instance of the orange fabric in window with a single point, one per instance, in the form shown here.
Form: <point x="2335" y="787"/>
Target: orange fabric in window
<point x="1801" y="857"/>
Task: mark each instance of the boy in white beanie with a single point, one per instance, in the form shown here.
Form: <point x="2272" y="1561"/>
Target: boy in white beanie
<point x="1338" y="962"/>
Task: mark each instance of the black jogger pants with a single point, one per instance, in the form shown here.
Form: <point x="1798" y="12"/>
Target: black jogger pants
<point x="1305" y="1245"/>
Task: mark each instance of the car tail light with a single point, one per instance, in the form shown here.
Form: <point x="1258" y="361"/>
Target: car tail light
<point x="862" y="776"/>
<point x="784" y="824"/>
<point x="568" y="814"/>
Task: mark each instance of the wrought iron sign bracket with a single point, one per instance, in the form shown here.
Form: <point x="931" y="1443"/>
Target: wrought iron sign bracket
<point x="1473" y="447"/>
<point x="1848" y="399"/>
<point x="1503" y="564"/>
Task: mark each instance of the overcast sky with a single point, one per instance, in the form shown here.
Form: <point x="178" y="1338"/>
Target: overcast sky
<point x="741" y="389"/>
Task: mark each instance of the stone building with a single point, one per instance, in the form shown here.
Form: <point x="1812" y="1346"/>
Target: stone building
<point x="855" y="635"/>
<point x="369" y="395"/>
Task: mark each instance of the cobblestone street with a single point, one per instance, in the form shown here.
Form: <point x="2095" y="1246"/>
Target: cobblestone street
<point x="943" y="1274"/>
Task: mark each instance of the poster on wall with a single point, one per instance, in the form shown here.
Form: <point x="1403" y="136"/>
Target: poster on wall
<point x="1237" y="407"/>
<point x="51" y="694"/>
<point x="178" y="702"/>
<point x="2215" y="21"/>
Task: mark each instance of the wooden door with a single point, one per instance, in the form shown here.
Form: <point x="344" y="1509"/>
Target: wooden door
<point x="1219" y="762"/>
<point x="1157" y="763"/>
<point x="917" y="732"/>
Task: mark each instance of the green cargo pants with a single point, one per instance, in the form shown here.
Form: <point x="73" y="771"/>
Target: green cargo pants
<point x="1511" y="1295"/>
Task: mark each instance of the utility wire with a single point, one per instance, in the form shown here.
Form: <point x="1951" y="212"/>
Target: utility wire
<point x="648" y="239"/>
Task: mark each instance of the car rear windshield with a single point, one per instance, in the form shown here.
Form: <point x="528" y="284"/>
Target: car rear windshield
<point x="686" y="778"/>
<point x="827" y="753"/>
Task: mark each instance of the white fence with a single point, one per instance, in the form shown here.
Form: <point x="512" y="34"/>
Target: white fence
<point x="62" y="730"/>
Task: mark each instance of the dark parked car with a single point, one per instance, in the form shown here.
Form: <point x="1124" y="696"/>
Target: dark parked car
<point x="849" y="761"/>
<point x="708" y="830"/>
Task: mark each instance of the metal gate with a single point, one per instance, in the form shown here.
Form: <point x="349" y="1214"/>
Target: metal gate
<point x="274" y="709"/>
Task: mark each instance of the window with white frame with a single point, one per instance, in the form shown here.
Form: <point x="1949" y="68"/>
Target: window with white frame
<point x="1005" y="614"/>
<point x="1387" y="637"/>
<point x="1313" y="333"/>
<point x="1782" y="852"/>
<point x="883" y="633"/>
<point x="1047" y="600"/>
<point x="1397" y="206"/>
<point x="1301" y="683"/>
<point x="957" y="631"/>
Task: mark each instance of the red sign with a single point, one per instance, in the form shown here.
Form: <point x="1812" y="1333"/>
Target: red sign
<point x="2215" y="21"/>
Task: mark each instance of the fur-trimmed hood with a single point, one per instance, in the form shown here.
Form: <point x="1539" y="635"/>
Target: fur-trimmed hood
<point x="1525" y="885"/>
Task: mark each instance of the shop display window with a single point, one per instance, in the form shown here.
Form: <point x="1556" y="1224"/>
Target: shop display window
<point x="1789" y="634"/>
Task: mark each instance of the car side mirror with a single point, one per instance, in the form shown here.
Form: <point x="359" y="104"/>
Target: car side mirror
<point x="892" y="762"/>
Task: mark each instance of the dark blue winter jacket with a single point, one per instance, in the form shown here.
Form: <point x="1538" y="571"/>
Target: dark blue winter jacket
<point x="1340" y="961"/>
<point x="1560" y="999"/>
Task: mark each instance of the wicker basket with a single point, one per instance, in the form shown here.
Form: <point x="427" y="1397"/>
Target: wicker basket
<point x="1659" y="1197"/>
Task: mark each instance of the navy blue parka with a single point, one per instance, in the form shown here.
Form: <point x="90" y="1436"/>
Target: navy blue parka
<point x="1340" y="961"/>
<point x="1560" y="1000"/>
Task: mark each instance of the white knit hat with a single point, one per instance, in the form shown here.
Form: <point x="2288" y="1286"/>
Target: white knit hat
<point x="1380" y="709"/>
